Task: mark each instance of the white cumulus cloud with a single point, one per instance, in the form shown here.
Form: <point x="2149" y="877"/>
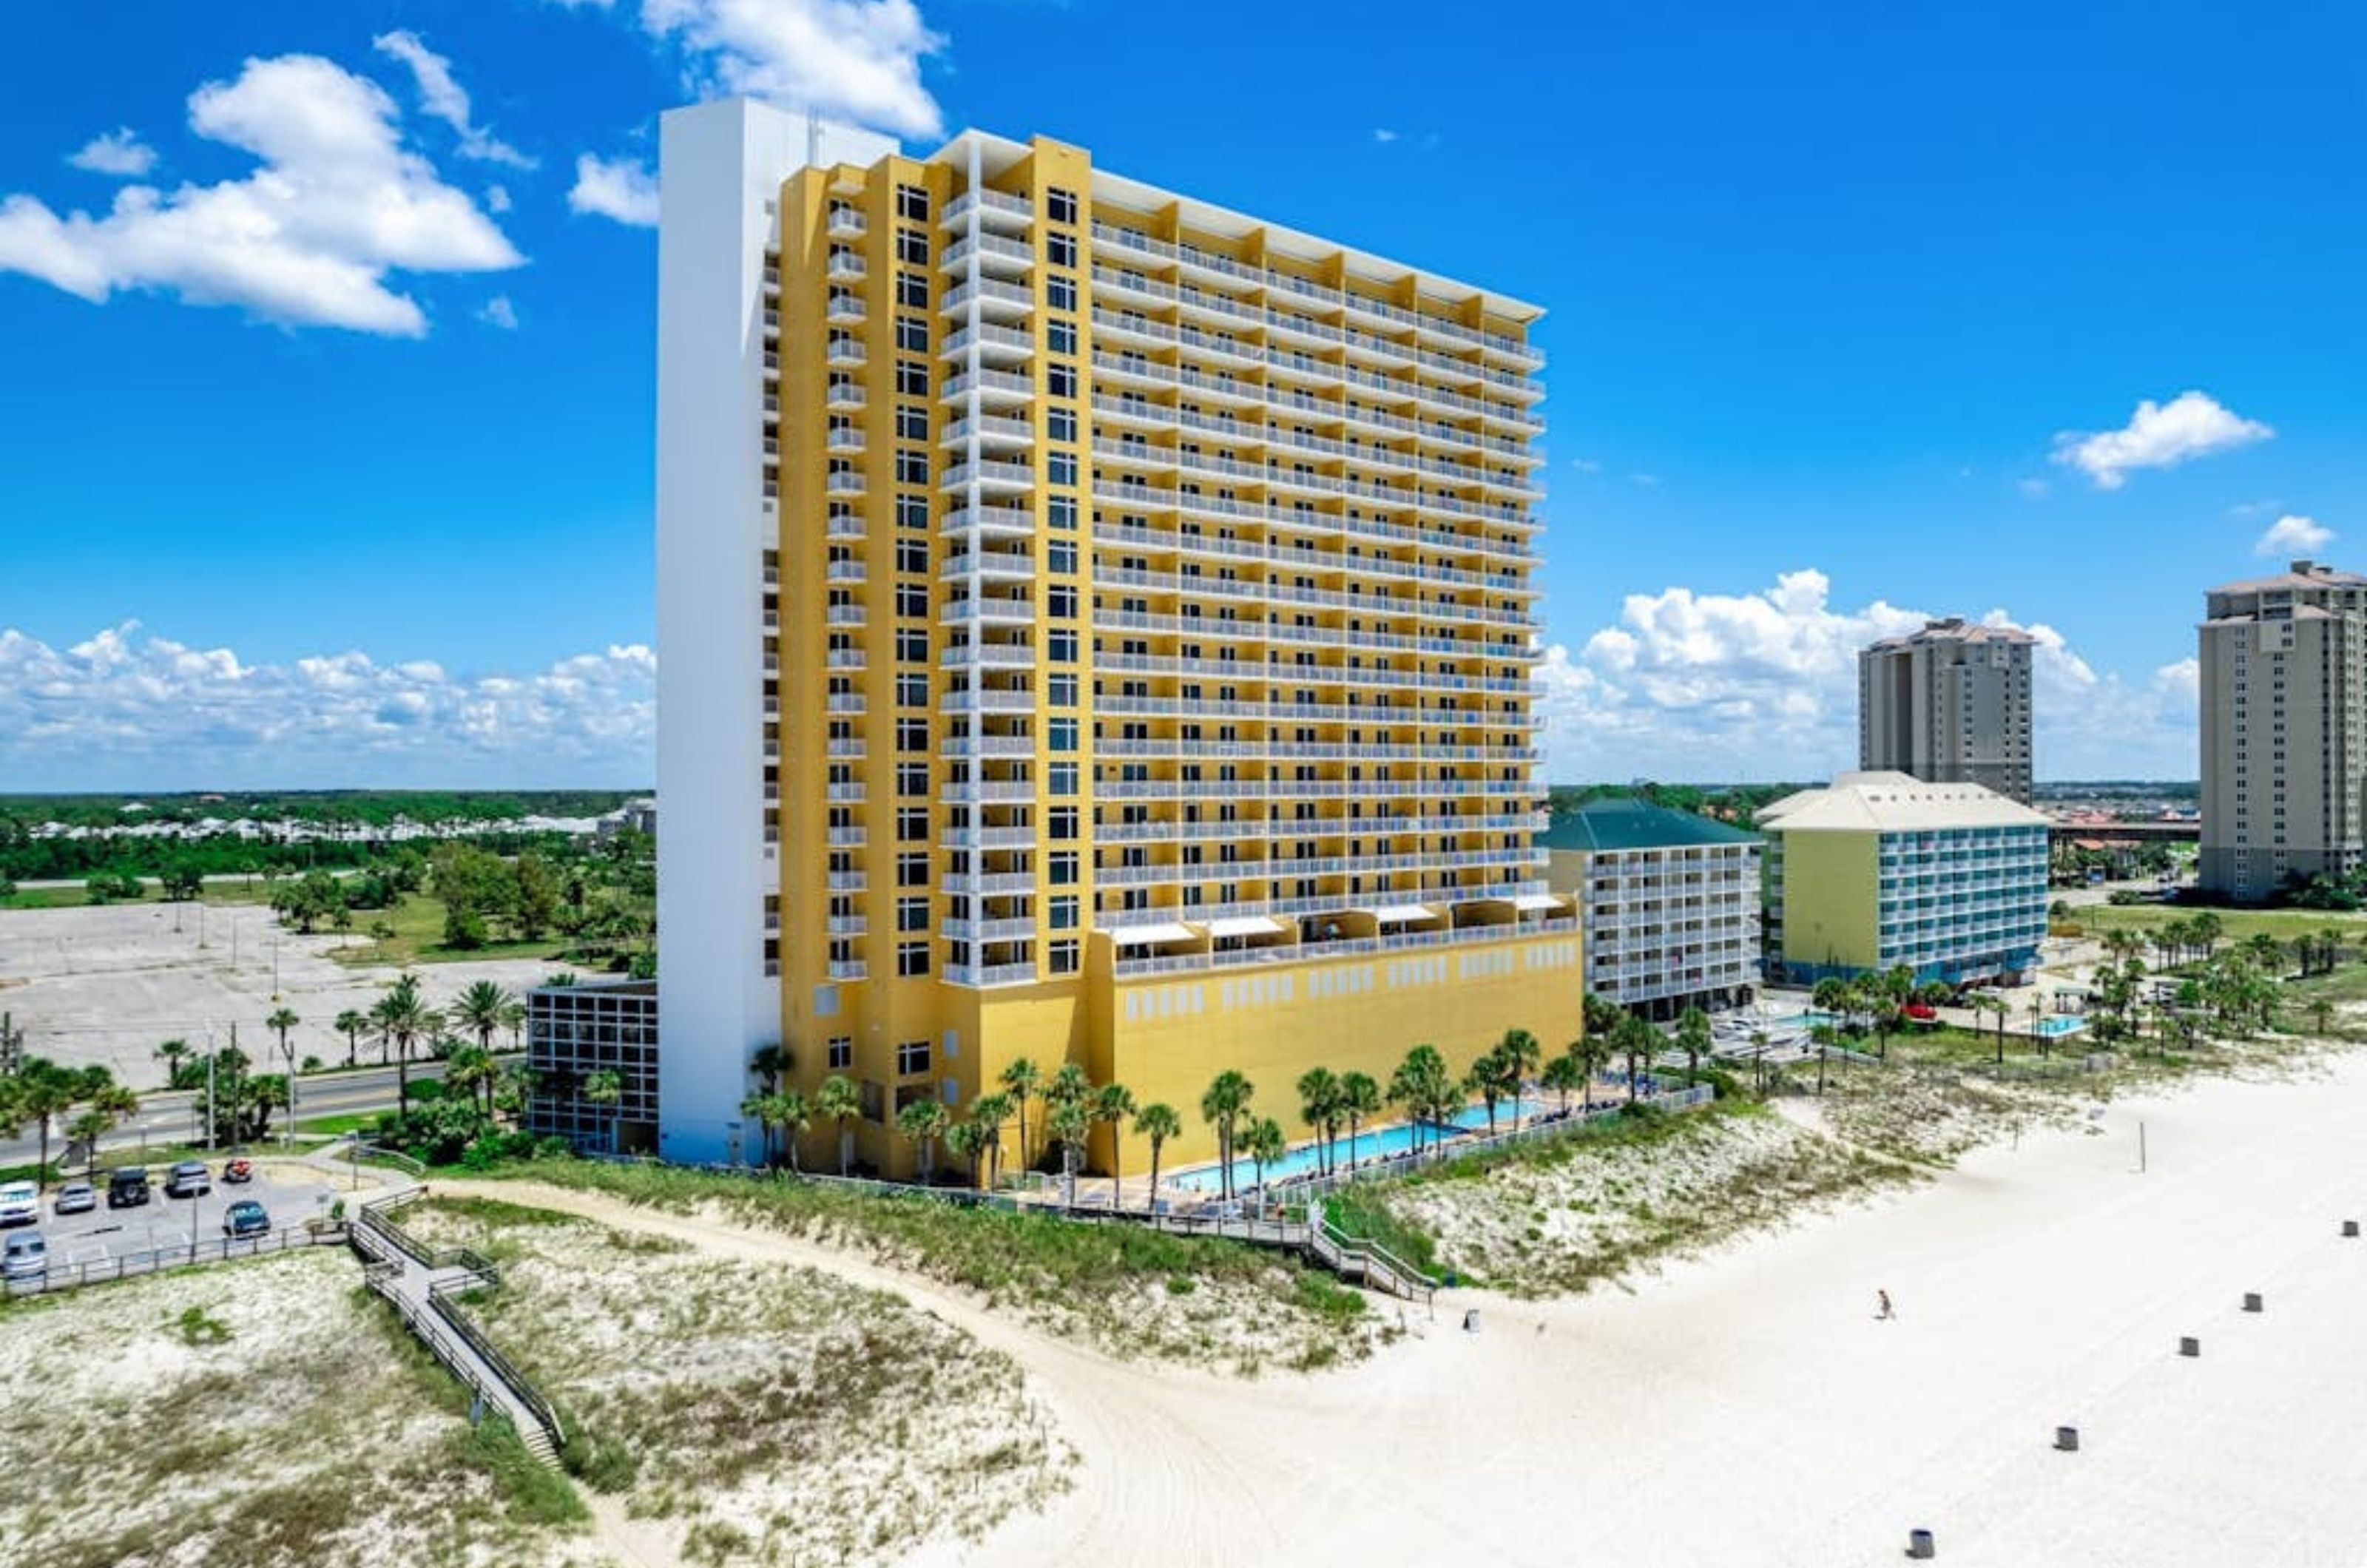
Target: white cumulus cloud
<point x="853" y="59"/>
<point x="1699" y="685"/>
<point x="498" y="311"/>
<point x="118" y="152"/>
<point x="623" y="189"/>
<point x="441" y="94"/>
<point x="2159" y="435"/>
<point x="129" y="709"/>
<point x="307" y="239"/>
<point x="2292" y="536"/>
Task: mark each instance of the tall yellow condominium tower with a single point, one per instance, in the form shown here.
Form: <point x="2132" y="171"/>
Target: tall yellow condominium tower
<point x="1095" y="626"/>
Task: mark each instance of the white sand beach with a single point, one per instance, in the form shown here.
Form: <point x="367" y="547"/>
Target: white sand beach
<point x="1749" y="1409"/>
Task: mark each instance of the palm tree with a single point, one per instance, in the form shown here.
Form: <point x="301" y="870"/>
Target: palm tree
<point x="758" y="1105"/>
<point x="1069" y="1085"/>
<point x="1318" y="1107"/>
<point x="1224" y="1104"/>
<point x="990" y="1112"/>
<point x="1490" y="1077"/>
<point x="1158" y="1123"/>
<point x="401" y="1016"/>
<point x="1598" y="1015"/>
<point x="2321" y="1015"/>
<point x="1422" y="1084"/>
<point x="119" y="1104"/>
<point x="1564" y="1076"/>
<point x="279" y="1024"/>
<point x="769" y="1063"/>
<point x="966" y="1141"/>
<point x="1265" y="1144"/>
<point x="1069" y="1121"/>
<point x="471" y="1067"/>
<point x="1635" y="1040"/>
<point x="173" y="1053"/>
<point x="842" y="1102"/>
<point x="1020" y="1079"/>
<point x="514" y="1092"/>
<point x="924" y="1122"/>
<point x="1522" y="1051"/>
<point x="793" y="1114"/>
<point x="1112" y="1103"/>
<point x="44" y="1092"/>
<point x="479" y="1010"/>
<point x="1360" y="1098"/>
<point x="1694" y="1038"/>
<point x="514" y="1020"/>
<point x="605" y="1088"/>
<point x="353" y="1024"/>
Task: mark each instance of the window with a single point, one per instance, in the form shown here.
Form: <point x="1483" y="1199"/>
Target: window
<point x="1060" y="468"/>
<point x="911" y="512"/>
<point x="1063" y="777"/>
<point x="1062" y="868"/>
<point x="912" y="378"/>
<point x="1060" y="206"/>
<point x="1060" y="556"/>
<point x="912" y="600"/>
<point x="1061" y="691"/>
<point x="1061" y="602"/>
<point x="1061" y="733"/>
<point x="913" y="290"/>
<point x="911" y="959"/>
<point x="1061" y="512"/>
<point x="1060" y="337"/>
<point x="1064" y="953"/>
<point x="912" y="915"/>
<point x="1060" y="381"/>
<point x="912" y="246"/>
<point x="911" y="467"/>
<point x="912" y="691"/>
<point x="1060" y="425"/>
<point x="1061" y="821"/>
<point x="911" y="334"/>
<point x="913" y="204"/>
<point x="912" y="421"/>
<point x="911" y="555"/>
<point x="1060" y="249"/>
<point x="911" y="734"/>
<point x="912" y="1059"/>
<point x="1060" y="294"/>
<point x="912" y="870"/>
<point x="912" y="780"/>
<point x="841" y="1054"/>
<point x="912" y="825"/>
<point x="1062" y="647"/>
<point x="1064" y="912"/>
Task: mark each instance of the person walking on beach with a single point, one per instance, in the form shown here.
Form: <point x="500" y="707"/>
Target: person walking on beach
<point x="1882" y="1309"/>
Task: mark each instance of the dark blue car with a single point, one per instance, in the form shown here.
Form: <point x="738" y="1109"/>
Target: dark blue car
<point x="245" y="1217"/>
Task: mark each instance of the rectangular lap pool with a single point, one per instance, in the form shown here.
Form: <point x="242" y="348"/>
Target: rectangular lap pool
<point x="1370" y="1142"/>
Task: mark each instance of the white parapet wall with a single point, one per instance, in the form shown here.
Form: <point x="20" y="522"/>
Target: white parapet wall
<point x="720" y="168"/>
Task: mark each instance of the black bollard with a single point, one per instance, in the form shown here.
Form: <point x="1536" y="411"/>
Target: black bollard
<point x="2350" y="1228"/>
<point x="2066" y="1440"/>
<point x="1920" y="1546"/>
<point x="2190" y="1346"/>
<point x="2251" y="1300"/>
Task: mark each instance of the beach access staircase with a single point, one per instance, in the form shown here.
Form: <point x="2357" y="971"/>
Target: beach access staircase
<point x="1314" y="1238"/>
<point x="422" y="1287"/>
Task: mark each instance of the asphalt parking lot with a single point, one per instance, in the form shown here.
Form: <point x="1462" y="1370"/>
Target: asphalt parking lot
<point x="290" y="1193"/>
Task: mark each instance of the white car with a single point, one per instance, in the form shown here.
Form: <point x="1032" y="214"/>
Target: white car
<point x="20" y="1203"/>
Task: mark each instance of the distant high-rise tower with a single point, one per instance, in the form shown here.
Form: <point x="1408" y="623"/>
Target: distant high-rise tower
<point x="2282" y="726"/>
<point x="1948" y="704"/>
<point x="1097" y="628"/>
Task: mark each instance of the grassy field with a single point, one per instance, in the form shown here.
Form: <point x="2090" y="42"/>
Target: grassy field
<point x="2236" y="924"/>
<point x="418" y="922"/>
<point x="254" y="890"/>
<point x="1127" y="1291"/>
<point x="261" y="1414"/>
<point x="765" y="1413"/>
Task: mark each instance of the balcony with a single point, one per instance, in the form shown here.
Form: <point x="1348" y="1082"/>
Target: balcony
<point x="842" y="264"/>
<point x="994" y="209"/>
<point x="1000" y="345"/>
<point x="844" y="439"/>
<point x="844" y="309"/>
<point x="1020" y="930"/>
<point x="844" y="395"/>
<point x="1010" y="479"/>
<point x="991" y="973"/>
<point x="996" y="301"/>
<point x="844" y="571"/>
<point x="843" y="483"/>
<point x="993" y="566"/>
<point x="989" y="253"/>
<point x="846" y="969"/>
<point x="845" y="352"/>
<point x="844" y="223"/>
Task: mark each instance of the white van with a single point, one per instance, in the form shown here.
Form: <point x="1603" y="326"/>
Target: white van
<point x="20" y="1203"/>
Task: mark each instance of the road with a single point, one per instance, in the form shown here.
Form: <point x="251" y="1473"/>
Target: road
<point x="178" y="1116"/>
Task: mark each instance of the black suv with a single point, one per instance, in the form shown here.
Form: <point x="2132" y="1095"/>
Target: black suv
<point x="127" y="1188"/>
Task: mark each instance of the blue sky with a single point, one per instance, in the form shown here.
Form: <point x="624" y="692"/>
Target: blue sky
<point x="343" y="476"/>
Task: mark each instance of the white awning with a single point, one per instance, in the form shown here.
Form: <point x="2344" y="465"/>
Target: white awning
<point x="1398" y="914"/>
<point x="1127" y="936"/>
<point x="1245" y="925"/>
<point x="1528" y="901"/>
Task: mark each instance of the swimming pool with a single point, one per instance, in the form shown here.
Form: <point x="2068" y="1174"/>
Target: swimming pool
<point x="2055" y="1028"/>
<point x="1395" y="1139"/>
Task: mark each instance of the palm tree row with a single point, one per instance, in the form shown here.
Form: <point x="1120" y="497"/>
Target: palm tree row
<point x="40" y="1092"/>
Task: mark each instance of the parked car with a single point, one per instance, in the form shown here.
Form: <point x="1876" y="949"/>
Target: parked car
<point x="24" y="1256"/>
<point x="77" y="1197"/>
<point x="20" y="1203"/>
<point x="245" y="1218"/>
<point x="239" y="1171"/>
<point x="127" y="1187"/>
<point x="190" y="1179"/>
